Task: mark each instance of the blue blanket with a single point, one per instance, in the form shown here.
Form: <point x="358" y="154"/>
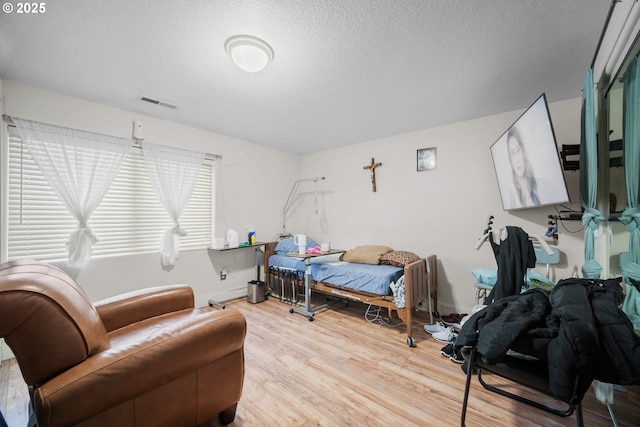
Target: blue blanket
<point x="375" y="279"/>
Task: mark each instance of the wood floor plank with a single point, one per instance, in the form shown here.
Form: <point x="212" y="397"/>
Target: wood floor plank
<point x="4" y="385"/>
<point x="340" y="370"/>
<point x="14" y="395"/>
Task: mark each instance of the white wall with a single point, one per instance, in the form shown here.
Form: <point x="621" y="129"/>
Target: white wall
<point x="253" y="183"/>
<point x="441" y="211"/>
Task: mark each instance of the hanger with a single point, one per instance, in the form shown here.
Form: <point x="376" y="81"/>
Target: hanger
<point x="489" y="224"/>
<point x="503" y="235"/>
<point x="489" y="230"/>
<point x="485" y="236"/>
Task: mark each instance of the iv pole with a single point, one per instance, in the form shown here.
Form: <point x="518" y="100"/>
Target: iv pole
<point x="286" y="205"/>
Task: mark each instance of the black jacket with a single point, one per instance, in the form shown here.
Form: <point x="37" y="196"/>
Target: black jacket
<point x="500" y="324"/>
<point x="578" y="329"/>
<point x="575" y="351"/>
<point x="513" y="256"/>
<point x="620" y="363"/>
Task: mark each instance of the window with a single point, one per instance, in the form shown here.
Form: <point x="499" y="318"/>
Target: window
<point x="129" y="220"/>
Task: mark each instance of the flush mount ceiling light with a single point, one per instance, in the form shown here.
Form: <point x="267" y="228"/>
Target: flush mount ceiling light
<point x="249" y="53"/>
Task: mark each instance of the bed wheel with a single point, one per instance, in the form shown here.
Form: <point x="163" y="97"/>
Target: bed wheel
<point x="310" y="318"/>
<point x="410" y="342"/>
<point x="291" y="310"/>
<point x="436" y="314"/>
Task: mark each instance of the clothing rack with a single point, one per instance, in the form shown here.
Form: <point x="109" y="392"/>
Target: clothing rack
<point x="489" y="224"/>
<point x="501" y="235"/>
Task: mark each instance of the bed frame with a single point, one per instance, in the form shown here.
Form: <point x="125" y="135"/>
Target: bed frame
<point x="420" y="278"/>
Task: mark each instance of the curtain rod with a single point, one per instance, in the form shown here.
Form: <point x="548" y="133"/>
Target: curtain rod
<point x="604" y="30"/>
<point x="207" y="156"/>
<point x="136" y="144"/>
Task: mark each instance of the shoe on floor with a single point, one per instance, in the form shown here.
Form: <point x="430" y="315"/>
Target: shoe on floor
<point x="448" y="335"/>
<point x="447" y="350"/>
<point x="453" y="319"/>
<point x="436" y="327"/>
<point x="456" y="357"/>
<point x="455" y="325"/>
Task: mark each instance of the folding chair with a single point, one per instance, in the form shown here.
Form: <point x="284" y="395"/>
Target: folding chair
<point x="533" y="374"/>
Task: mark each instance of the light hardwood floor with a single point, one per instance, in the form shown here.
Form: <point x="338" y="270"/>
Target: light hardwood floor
<point x="339" y="370"/>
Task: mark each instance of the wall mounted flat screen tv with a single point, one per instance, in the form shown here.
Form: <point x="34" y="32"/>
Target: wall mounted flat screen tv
<point x="527" y="163"/>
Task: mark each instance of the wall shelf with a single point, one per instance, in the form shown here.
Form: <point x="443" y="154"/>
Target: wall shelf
<point x="257" y="246"/>
<point x="570" y="151"/>
<point x="227" y="248"/>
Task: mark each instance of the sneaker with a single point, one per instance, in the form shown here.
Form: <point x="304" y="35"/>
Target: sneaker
<point x="453" y="320"/>
<point x="447" y="350"/>
<point x="436" y="327"/>
<point x="453" y="317"/>
<point x="454" y="324"/>
<point x="456" y="357"/>
<point x="448" y="335"/>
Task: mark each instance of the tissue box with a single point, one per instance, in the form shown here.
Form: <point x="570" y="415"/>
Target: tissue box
<point x="218" y="243"/>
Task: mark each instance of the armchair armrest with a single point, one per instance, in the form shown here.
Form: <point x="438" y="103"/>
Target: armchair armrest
<point x="131" y="307"/>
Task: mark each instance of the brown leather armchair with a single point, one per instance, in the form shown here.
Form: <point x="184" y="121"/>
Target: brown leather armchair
<point x="147" y="358"/>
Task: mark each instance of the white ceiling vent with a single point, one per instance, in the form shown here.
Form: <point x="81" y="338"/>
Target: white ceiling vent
<point x="158" y="102"/>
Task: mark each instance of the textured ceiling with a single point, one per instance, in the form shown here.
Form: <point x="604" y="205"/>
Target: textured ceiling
<point x="344" y="71"/>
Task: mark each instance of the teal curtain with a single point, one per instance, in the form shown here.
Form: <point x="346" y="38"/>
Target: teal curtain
<point x="631" y="215"/>
<point x="589" y="178"/>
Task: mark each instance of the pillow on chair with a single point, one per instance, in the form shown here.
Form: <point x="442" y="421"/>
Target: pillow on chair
<point x="489" y="276"/>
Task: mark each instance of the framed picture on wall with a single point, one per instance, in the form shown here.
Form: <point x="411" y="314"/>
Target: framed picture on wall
<point x="426" y="159"/>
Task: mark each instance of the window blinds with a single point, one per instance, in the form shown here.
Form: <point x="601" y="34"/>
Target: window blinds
<point x="129" y="220"/>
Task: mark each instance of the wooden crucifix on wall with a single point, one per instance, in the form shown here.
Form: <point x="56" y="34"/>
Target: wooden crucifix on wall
<point x="372" y="169"/>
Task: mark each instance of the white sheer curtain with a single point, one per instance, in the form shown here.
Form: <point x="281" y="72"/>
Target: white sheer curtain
<point x="173" y="173"/>
<point x="80" y="167"/>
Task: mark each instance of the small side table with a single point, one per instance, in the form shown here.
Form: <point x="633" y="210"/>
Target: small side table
<point x="257" y="246"/>
<point x="308" y="310"/>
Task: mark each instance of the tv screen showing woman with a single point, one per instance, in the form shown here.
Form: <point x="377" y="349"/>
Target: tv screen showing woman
<point x="526" y="161"/>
